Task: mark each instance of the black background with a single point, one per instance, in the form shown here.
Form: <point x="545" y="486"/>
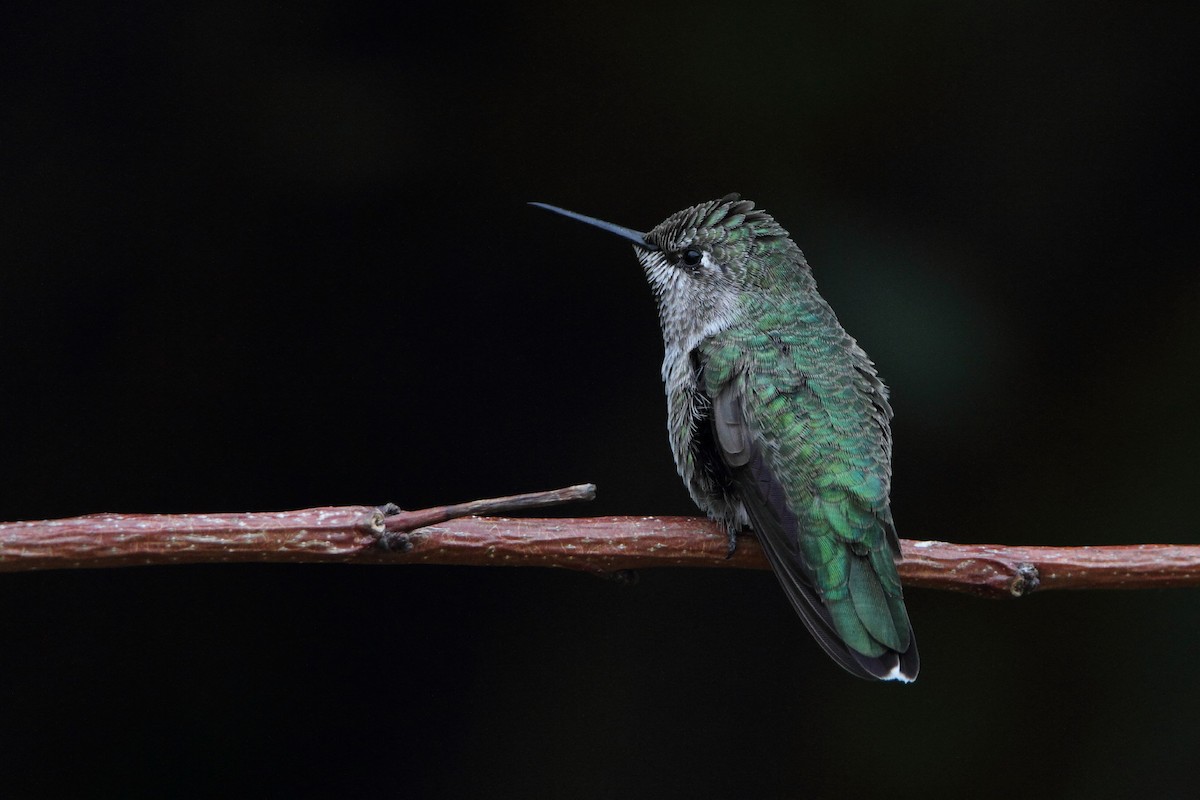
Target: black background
<point x="264" y="256"/>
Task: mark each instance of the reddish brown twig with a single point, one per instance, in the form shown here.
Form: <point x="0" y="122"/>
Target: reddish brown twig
<point x="607" y="544"/>
<point x="402" y="520"/>
<point x="336" y="533"/>
<point x="992" y="570"/>
<point x="362" y="534"/>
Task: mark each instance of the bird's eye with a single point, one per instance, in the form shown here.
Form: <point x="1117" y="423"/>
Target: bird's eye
<point x="691" y="257"/>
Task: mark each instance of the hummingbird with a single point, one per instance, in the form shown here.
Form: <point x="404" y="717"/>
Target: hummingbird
<point x="778" y="421"/>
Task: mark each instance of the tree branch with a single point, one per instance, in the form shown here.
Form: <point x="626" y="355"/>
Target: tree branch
<point x="602" y="545"/>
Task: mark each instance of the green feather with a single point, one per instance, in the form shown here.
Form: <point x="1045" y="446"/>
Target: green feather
<point x="871" y="603"/>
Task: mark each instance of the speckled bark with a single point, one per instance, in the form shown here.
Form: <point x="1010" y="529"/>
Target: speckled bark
<point x="368" y="535"/>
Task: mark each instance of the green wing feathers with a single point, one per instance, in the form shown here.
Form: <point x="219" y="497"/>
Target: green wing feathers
<point x="811" y="458"/>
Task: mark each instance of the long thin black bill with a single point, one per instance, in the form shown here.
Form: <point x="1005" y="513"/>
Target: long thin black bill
<point x="637" y="237"/>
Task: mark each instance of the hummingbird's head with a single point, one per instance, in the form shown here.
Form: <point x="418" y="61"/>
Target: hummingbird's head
<point x="705" y="259"/>
<point x="701" y="260"/>
<point x="722" y="244"/>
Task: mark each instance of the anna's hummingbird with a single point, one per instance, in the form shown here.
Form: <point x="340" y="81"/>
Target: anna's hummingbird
<point x="778" y="421"/>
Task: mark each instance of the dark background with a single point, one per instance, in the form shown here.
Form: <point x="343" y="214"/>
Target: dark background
<point x="257" y="256"/>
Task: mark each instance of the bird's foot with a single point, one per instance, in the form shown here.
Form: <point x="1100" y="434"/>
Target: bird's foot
<point x="731" y="543"/>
